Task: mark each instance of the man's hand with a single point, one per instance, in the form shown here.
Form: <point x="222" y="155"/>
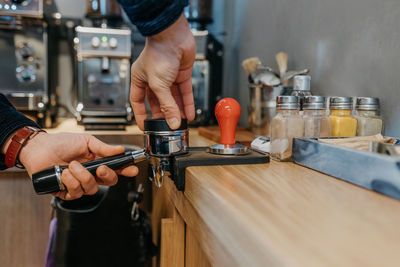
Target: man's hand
<point x="46" y="150"/>
<point x="162" y="73"/>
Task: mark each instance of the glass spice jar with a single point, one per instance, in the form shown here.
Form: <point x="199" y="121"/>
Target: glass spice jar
<point x="286" y="125"/>
<point x="316" y="122"/>
<point x="369" y="121"/>
<point x="343" y="123"/>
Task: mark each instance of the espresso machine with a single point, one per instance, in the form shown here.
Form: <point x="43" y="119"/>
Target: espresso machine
<point x="28" y="51"/>
<point x="103" y="64"/>
<point x="207" y="68"/>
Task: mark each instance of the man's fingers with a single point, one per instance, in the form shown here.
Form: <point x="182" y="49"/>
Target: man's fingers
<point x="186" y="91"/>
<point x="101" y="149"/>
<point x="86" y="179"/>
<point x="72" y="184"/>
<point x="130" y="171"/>
<point x="137" y="94"/>
<point x="154" y="104"/>
<point x="167" y="102"/>
<point x="106" y="175"/>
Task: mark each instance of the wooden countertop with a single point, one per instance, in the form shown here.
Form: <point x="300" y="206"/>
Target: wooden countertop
<point x="282" y="214"/>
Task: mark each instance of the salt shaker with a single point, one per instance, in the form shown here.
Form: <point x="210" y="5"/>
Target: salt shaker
<point x="286" y="125"/>
<point x="316" y="121"/>
<point x="369" y="121"/>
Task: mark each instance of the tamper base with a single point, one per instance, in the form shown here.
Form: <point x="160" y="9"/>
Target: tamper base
<point x="221" y="149"/>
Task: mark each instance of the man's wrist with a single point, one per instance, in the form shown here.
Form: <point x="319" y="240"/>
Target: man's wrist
<point x="28" y="150"/>
<point x="16" y="142"/>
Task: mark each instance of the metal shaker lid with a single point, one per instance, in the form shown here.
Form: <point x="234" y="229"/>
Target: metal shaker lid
<point x="339" y="102"/>
<point x="314" y="102"/>
<point x="367" y="103"/>
<point x="301" y="82"/>
<point x="287" y="102"/>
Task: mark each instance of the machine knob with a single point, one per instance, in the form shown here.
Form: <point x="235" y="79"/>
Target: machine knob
<point x="228" y="112"/>
<point x="113" y="43"/>
<point x="95" y="42"/>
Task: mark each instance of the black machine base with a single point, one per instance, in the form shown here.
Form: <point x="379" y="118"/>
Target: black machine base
<point x="198" y="156"/>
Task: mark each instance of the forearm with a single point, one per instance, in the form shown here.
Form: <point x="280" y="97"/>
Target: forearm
<point x="153" y="16"/>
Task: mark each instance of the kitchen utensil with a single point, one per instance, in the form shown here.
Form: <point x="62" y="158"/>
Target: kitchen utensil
<point x="262" y="107"/>
<point x="251" y="64"/>
<point x="228" y="112"/>
<point x="265" y="76"/>
<point x="282" y="60"/>
<point x="49" y="180"/>
<point x="290" y="74"/>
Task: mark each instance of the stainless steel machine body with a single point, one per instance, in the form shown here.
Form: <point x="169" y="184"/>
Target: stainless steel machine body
<point x="206" y="76"/>
<point x="28" y="51"/>
<point x="103" y="57"/>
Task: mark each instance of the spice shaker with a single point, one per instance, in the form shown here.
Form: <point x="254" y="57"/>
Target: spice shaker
<point x="343" y="123"/>
<point x="369" y="121"/>
<point x="286" y="125"/>
<point x="301" y="88"/>
<point x="316" y="121"/>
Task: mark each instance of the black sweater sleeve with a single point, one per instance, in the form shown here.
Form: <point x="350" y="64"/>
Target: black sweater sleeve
<point x="10" y="121"/>
<point x="153" y="16"/>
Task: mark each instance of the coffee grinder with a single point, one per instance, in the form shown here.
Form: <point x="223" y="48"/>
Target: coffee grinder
<point x="28" y="51"/>
<point x="207" y="68"/>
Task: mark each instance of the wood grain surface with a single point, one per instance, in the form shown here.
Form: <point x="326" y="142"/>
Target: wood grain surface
<point x="281" y="214"/>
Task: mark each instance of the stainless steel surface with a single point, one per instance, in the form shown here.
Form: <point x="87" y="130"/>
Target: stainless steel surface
<point x="262" y="108"/>
<point x="103" y="76"/>
<point x="23" y="68"/>
<point x="166" y="144"/>
<point x="201" y="88"/>
<point x="290" y="74"/>
<point x="26" y="8"/>
<point x="314" y="102"/>
<point x="367" y="103"/>
<point x="200" y="37"/>
<point x="338" y="102"/>
<point x="287" y="102"/>
<point x="221" y="149"/>
<point x="301" y="83"/>
<point x="98" y="42"/>
<point x="199" y="10"/>
<point x="265" y="77"/>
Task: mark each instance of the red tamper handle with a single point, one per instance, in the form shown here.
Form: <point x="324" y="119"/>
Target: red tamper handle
<point x="227" y="112"/>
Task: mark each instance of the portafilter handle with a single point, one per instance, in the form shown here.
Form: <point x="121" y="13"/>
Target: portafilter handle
<point x="49" y="180"/>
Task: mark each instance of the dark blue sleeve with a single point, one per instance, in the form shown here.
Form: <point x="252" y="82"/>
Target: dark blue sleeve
<point x="10" y="121"/>
<point x="153" y="16"/>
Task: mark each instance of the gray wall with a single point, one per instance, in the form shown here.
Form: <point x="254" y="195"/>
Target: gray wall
<point x="351" y="46"/>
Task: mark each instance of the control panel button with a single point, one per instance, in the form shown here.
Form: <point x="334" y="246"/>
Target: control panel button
<point x="95" y="42"/>
<point x="113" y="43"/>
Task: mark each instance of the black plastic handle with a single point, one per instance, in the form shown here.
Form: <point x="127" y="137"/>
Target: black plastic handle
<point x="49" y="180"/>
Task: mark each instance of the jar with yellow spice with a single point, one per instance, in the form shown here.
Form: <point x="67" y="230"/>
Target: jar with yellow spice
<point x="343" y="123"/>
